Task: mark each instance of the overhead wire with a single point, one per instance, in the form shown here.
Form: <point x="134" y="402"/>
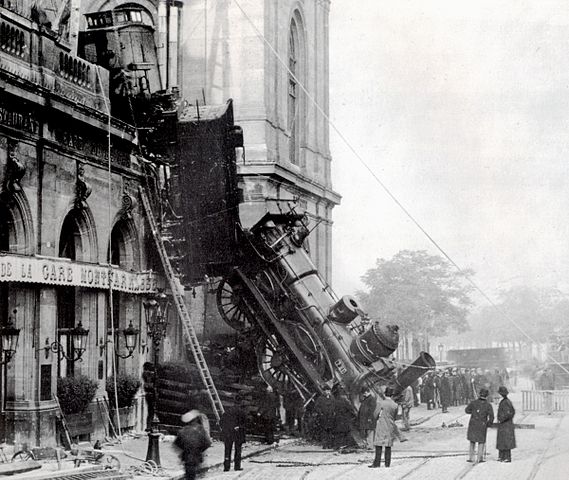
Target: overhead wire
<point x="385" y="188"/>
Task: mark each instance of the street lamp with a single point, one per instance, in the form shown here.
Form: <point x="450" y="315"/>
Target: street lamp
<point x="130" y="339"/>
<point x="9" y="339"/>
<point x="441" y="347"/>
<point x="156" y="312"/>
<point x="78" y="342"/>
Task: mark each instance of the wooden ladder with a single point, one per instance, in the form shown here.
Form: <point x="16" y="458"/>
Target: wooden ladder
<point x="190" y="337"/>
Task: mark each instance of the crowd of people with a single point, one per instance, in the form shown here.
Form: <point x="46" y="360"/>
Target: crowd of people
<point x="459" y="386"/>
<point x="332" y="420"/>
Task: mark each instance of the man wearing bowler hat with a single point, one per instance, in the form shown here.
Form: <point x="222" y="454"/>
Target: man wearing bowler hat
<point x="481" y="417"/>
<point x="232" y="424"/>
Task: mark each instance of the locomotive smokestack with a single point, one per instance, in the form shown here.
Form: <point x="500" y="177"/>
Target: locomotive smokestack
<point x="418" y="368"/>
<point x="376" y="342"/>
<point x="345" y="310"/>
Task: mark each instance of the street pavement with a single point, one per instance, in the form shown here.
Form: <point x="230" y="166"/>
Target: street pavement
<point x="436" y="449"/>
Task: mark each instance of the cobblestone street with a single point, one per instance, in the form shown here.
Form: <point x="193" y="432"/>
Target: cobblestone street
<point x="431" y="452"/>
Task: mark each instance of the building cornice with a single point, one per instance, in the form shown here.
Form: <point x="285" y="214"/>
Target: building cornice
<point x="279" y="172"/>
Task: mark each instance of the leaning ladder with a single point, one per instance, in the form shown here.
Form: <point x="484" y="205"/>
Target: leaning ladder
<point x="190" y="338"/>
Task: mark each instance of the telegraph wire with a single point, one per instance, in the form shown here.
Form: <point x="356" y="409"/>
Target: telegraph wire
<point x="385" y="188"/>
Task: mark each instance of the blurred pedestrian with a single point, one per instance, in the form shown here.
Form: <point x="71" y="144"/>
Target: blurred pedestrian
<point x="192" y="440"/>
<point x="232" y="423"/>
<point x="325" y="416"/>
<point x="481" y="417"/>
<point x="385" y="429"/>
<point x="366" y="417"/>
<point x="506" y="438"/>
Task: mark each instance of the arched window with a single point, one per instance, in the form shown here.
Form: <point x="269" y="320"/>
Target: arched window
<point x="124" y="253"/>
<point x="295" y="111"/>
<point x="69" y="245"/>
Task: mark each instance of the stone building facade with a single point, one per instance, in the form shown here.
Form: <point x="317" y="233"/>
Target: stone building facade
<point x="61" y="197"/>
<point x="74" y="244"/>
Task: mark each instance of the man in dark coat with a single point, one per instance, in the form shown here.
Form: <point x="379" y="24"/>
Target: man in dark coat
<point x="325" y="416"/>
<point x="446" y="392"/>
<point x="506" y="439"/>
<point x="192" y="440"/>
<point x="232" y="425"/>
<point x="366" y="418"/>
<point x="292" y="404"/>
<point x="345" y="416"/>
<point x="481" y="417"/>
<point x="268" y="413"/>
<point x="428" y="395"/>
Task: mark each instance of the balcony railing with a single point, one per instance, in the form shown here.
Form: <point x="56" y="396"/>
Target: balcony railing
<point x="12" y="39"/>
<point x="36" y="55"/>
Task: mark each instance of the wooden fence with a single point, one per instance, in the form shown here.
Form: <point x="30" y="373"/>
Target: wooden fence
<point x="547" y="401"/>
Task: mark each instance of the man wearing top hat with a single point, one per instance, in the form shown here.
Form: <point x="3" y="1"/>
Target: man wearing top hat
<point x="481" y="417"/>
<point x="506" y="439"/>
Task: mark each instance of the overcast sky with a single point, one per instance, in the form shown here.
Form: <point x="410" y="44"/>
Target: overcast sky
<point x="462" y="109"/>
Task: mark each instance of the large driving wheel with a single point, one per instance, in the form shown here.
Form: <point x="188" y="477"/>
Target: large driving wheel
<point x="312" y="351"/>
<point x="272" y="364"/>
<point x="231" y="305"/>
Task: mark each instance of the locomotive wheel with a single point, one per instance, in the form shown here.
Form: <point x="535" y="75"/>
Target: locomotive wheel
<point x="272" y="364"/>
<point x="312" y="351"/>
<point x="231" y="305"/>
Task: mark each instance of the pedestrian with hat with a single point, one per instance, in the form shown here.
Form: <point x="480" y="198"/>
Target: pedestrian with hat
<point x="481" y="417"/>
<point x="192" y="440"/>
<point x="232" y="424"/>
<point x="506" y="439"/>
<point x="385" y="429"/>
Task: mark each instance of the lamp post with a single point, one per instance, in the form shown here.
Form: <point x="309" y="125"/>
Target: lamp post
<point x="9" y="336"/>
<point x="156" y="312"/>
<point x="130" y="339"/>
<point x="441" y="347"/>
<point x="78" y="341"/>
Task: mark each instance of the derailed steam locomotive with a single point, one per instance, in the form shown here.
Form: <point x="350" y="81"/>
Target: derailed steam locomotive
<point x="306" y="337"/>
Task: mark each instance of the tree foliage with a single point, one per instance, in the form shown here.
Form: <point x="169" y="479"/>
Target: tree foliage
<point x="522" y="310"/>
<point x="421" y="293"/>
